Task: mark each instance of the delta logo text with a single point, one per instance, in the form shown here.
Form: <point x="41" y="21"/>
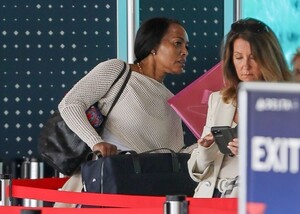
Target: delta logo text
<point x="276" y="104"/>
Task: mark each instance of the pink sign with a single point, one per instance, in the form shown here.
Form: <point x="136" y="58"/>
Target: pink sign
<point x="191" y="102"/>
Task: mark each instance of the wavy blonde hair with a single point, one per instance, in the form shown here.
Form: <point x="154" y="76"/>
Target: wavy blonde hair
<point x="266" y="51"/>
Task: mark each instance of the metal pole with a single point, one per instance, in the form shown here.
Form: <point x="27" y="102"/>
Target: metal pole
<point x="5" y="197"/>
<point x="1" y="166"/>
<point x="131" y="29"/>
<point x="237" y="10"/>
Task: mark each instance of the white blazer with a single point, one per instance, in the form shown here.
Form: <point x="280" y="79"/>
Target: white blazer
<point x="205" y="163"/>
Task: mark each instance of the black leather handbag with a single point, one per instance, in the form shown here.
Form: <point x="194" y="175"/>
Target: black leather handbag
<point x="60" y="147"/>
<point x="148" y="173"/>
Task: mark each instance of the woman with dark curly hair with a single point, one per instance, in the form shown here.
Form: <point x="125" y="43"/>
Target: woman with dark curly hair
<point x="141" y="119"/>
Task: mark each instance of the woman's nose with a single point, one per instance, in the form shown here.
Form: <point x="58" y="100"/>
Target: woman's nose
<point x="184" y="51"/>
<point x="246" y="62"/>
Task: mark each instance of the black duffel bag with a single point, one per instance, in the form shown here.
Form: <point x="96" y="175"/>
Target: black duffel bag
<point x="148" y="173"/>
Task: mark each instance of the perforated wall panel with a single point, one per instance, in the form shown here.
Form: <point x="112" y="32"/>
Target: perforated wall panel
<point x="45" y="47"/>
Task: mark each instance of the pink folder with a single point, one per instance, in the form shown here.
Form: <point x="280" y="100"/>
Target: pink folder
<point x="191" y="102"/>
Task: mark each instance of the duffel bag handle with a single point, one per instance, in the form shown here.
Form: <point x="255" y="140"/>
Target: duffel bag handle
<point x="175" y="161"/>
<point x="136" y="162"/>
<point x="97" y="154"/>
<point x="135" y="159"/>
<point x="137" y="165"/>
<point x="160" y="149"/>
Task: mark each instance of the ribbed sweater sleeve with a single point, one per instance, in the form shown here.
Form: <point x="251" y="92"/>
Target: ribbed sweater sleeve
<point x="90" y="89"/>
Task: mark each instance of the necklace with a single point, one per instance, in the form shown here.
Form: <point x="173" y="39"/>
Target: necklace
<point x="140" y="68"/>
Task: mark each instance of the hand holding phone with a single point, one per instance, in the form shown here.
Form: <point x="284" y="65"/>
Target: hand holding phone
<point x="222" y="136"/>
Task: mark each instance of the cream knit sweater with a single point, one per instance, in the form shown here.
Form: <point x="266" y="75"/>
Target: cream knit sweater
<point x="141" y="120"/>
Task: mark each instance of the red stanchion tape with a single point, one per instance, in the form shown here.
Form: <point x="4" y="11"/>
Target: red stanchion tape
<point x="17" y="210"/>
<point x="46" y="190"/>
<point x="46" y="183"/>
<point x="46" y="210"/>
<point x="42" y="189"/>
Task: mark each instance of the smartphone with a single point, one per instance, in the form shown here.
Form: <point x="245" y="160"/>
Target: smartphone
<point x="222" y="136"/>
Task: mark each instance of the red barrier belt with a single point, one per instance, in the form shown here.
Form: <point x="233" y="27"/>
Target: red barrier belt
<point x="47" y="183"/>
<point x="46" y="190"/>
<point x="46" y="210"/>
<point x="17" y="210"/>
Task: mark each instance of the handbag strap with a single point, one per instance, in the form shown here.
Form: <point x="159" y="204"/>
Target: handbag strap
<point x="119" y="93"/>
<point x="119" y="76"/>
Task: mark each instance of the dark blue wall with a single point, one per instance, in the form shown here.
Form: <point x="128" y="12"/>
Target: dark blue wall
<point x="45" y="47"/>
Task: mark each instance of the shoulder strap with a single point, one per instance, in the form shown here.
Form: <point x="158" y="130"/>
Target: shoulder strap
<point x="119" y="93"/>
<point x="119" y="76"/>
<point x="116" y="80"/>
<point x="122" y="87"/>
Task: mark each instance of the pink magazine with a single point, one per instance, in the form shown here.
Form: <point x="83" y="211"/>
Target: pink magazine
<point x="191" y="102"/>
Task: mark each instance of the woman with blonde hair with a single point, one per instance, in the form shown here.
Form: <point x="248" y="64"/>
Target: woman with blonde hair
<point x="251" y="52"/>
